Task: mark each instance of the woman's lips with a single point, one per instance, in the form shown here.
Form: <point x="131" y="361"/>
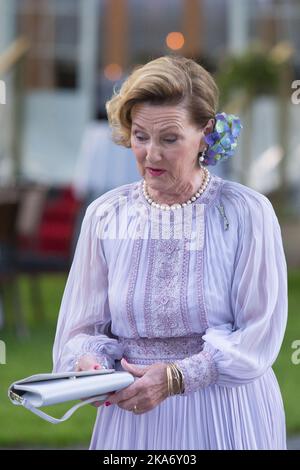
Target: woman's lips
<point x="155" y="172"/>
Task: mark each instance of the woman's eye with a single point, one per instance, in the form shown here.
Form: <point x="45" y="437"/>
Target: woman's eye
<point x="141" y="138"/>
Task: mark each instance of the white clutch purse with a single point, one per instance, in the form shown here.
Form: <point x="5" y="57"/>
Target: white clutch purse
<point x="49" y="389"/>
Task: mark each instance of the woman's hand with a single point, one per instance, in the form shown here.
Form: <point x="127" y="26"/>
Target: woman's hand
<point x="147" y="392"/>
<point x="89" y="362"/>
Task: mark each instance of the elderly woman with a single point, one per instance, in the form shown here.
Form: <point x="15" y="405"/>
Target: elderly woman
<point x="179" y="278"/>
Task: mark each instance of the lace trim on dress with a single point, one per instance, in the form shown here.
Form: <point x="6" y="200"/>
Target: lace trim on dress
<point x="165" y="306"/>
<point x="137" y="247"/>
<point x="172" y="236"/>
<point x="151" y="350"/>
<point x="199" y="371"/>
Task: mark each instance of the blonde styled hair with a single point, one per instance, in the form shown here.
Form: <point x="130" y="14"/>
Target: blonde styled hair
<point x="166" y="80"/>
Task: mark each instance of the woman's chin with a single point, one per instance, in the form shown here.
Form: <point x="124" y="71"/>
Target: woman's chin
<point x="155" y="185"/>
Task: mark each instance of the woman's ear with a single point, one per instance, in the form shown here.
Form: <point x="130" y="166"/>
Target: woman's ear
<point x="209" y="126"/>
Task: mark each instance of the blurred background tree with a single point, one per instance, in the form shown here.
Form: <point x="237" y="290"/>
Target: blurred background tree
<point x="260" y="71"/>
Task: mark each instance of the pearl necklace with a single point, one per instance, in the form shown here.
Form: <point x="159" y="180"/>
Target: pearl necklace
<point x="167" y="207"/>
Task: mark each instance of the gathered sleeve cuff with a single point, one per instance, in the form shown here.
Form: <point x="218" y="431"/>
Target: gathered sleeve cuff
<point x="240" y="352"/>
<point x="104" y="349"/>
<point x="198" y="371"/>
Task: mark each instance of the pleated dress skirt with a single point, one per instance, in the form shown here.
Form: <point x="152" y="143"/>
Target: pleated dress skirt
<point x="246" y="417"/>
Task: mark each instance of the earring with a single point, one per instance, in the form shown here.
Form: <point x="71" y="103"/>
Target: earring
<point x="201" y="156"/>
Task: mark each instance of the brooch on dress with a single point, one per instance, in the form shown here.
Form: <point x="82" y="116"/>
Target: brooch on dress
<point x="225" y="220"/>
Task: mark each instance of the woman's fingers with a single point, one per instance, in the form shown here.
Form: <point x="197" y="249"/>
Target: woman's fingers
<point x="125" y="394"/>
<point x="88" y="362"/>
<point x="133" y="369"/>
<point x="97" y="403"/>
<point x="130" y="405"/>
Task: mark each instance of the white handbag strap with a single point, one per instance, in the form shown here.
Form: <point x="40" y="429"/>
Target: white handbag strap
<point x="66" y="416"/>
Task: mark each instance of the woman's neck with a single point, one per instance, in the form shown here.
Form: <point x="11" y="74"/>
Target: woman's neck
<point x="183" y="191"/>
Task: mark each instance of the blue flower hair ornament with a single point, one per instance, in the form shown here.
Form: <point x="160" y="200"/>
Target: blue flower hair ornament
<point x="222" y="142"/>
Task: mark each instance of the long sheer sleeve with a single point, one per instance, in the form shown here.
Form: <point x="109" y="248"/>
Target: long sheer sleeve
<point x="84" y="318"/>
<point x="240" y="352"/>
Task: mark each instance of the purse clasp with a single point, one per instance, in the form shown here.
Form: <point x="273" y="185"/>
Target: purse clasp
<point x="16" y="397"/>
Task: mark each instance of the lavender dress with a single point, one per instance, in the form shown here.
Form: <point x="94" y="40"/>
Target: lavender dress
<point x="204" y="286"/>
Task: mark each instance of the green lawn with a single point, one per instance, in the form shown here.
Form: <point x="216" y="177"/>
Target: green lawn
<point x="288" y="374"/>
<point x="21" y="428"/>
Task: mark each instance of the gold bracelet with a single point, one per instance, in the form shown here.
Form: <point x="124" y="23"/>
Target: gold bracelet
<point x="169" y="380"/>
<point x="174" y="380"/>
<point x="178" y="379"/>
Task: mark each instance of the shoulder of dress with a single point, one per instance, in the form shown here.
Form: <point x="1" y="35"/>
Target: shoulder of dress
<point x="242" y="194"/>
<point x="244" y="201"/>
<point x="112" y="199"/>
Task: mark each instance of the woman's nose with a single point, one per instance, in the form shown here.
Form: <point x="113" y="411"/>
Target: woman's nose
<point x="153" y="153"/>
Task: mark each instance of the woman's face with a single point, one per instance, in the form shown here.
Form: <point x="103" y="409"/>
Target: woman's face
<point x="163" y="138"/>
